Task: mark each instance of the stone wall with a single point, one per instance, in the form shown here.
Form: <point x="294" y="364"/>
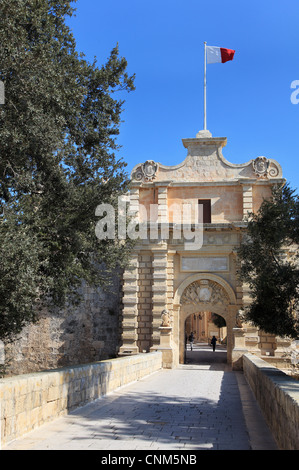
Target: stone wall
<point x="226" y="201"/>
<point x="86" y="333"/>
<point x="145" y="316"/>
<point x="28" y="401"/>
<point x="278" y="397"/>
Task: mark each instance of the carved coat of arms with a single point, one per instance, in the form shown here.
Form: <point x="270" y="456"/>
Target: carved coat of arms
<point x="261" y="166"/>
<point x="147" y="171"/>
<point x="204" y="291"/>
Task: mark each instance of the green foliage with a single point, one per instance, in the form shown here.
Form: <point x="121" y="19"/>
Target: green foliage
<point x="58" y="131"/>
<point x="218" y="320"/>
<point x="269" y="256"/>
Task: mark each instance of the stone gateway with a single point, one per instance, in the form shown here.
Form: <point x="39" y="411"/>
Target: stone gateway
<point x="187" y="265"/>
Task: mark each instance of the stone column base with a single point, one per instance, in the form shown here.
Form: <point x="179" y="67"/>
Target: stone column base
<point x="167" y="356"/>
<point x="239" y="349"/>
<point x="165" y="347"/>
<point x="237" y="358"/>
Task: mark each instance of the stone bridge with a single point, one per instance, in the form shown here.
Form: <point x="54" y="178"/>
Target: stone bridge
<point x="132" y="403"/>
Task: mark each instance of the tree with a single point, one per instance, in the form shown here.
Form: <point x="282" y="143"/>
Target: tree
<point x="269" y="264"/>
<point x="218" y="320"/>
<point x="58" y="131"/>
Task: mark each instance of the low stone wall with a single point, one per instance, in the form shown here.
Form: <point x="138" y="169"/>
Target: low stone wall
<point x="278" y="397"/>
<point x="28" y="401"/>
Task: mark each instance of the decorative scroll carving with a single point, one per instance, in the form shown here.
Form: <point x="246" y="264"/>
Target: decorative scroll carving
<point x="260" y="167"/>
<point x="205" y="292"/>
<point x="147" y="171"/>
<point x="264" y="168"/>
<point x="273" y="170"/>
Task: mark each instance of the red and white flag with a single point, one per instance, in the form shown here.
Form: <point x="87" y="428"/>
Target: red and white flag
<point x="219" y="54"/>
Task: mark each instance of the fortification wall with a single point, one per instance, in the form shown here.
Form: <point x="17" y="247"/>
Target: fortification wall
<point x="79" y="334"/>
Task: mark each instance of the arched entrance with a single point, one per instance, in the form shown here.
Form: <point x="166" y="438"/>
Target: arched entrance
<point x="205" y="325"/>
<point x="202" y="326"/>
<point x="205" y="293"/>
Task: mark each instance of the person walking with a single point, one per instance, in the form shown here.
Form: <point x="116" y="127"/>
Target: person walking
<point x="191" y="339"/>
<point x="213" y="342"/>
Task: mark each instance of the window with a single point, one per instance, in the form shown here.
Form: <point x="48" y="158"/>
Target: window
<point x="206" y="210"/>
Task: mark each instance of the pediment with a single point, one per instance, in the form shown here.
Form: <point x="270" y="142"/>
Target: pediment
<point x="206" y="163"/>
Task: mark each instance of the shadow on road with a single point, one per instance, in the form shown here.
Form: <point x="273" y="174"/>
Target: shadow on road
<point x="204" y="354"/>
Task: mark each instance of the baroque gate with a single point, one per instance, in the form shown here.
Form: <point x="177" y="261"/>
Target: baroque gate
<point x="189" y="220"/>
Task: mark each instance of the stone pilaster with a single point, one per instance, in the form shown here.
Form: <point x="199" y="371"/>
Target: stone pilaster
<point x="170" y="280"/>
<point x="145" y="302"/>
<point x="163" y="301"/>
<point x="162" y="204"/>
<point x="159" y="292"/>
<point x="130" y="309"/>
<point x="133" y="208"/>
<point x="247" y="199"/>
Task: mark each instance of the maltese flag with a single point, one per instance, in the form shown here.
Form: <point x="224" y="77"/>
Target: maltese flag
<point x="219" y="54"/>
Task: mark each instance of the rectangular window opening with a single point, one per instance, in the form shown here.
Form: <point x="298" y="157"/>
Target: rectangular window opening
<point x="206" y="210"/>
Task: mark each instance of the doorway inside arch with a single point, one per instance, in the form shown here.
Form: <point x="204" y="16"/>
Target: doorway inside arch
<point x="200" y="328"/>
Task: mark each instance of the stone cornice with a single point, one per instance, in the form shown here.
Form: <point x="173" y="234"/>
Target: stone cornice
<point x="196" y="142"/>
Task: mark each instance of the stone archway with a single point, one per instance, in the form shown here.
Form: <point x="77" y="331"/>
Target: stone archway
<point x="204" y="292"/>
<point x="203" y="326"/>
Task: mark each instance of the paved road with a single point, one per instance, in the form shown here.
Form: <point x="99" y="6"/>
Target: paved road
<point x="200" y="405"/>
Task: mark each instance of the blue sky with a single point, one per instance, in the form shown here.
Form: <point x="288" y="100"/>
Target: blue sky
<point x="248" y="99"/>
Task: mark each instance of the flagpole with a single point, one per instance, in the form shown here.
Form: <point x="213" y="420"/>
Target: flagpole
<point x="205" y="89"/>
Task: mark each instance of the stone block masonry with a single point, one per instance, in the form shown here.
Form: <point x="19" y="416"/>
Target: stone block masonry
<point x="278" y="397"/>
<point x="82" y="334"/>
<point x="28" y="401"/>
